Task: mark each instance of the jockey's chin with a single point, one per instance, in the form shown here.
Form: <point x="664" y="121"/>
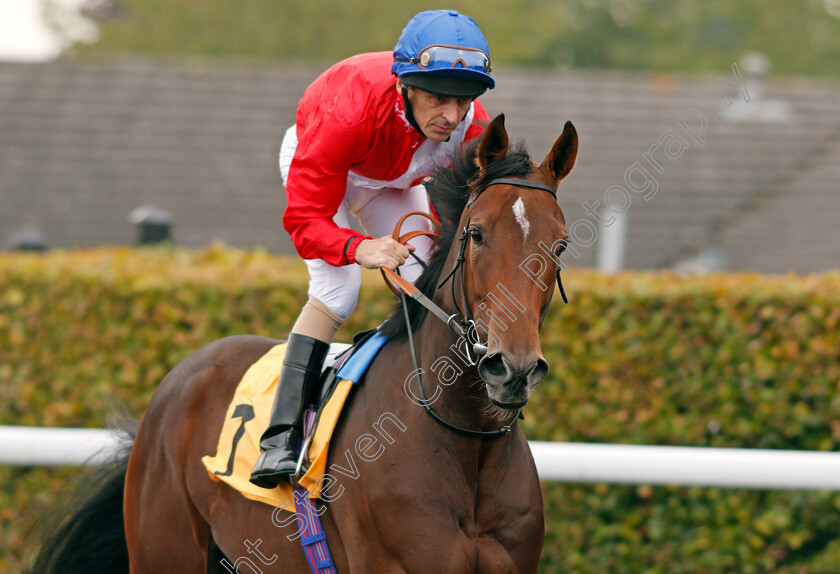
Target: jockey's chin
<point x="437" y="132"/>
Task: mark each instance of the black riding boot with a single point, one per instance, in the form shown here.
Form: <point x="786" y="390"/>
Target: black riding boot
<point x="298" y="382"/>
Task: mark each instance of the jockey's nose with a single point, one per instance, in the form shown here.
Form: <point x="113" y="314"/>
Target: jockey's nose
<point x="451" y="111"/>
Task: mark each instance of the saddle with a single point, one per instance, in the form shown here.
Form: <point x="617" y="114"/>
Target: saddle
<point x="338" y="354"/>
<point x="249" y="411"/>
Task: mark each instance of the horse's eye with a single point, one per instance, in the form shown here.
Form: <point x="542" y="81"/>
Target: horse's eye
<point x="476" y="236"/>
<point x="562" y="247"/>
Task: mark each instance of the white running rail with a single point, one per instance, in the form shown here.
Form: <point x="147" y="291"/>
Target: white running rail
<point x="688" y="466"/>
<point x="556" y="461"/>
<point x="37" y="446"/>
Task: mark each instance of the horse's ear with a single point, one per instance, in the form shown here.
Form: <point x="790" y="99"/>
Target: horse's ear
<point x="494" y="142"/>
<point x="561" y="159"/>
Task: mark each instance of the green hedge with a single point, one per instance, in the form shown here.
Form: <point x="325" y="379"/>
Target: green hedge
<point x="642" y="358"/>
<point x="799" y="38"/>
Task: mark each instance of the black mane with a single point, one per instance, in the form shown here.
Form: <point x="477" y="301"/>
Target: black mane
<point x="449" y="189"/>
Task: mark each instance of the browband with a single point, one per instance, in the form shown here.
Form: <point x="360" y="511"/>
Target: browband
<point x="517" y="183"/>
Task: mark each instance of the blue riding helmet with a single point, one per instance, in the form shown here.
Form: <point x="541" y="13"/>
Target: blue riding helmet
<point x="445" y="53"/>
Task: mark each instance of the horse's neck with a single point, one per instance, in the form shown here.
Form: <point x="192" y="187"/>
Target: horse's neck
<point x="462" y="401"/>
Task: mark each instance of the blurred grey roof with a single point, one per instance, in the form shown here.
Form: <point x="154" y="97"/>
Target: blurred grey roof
<point x="82" y="144"/>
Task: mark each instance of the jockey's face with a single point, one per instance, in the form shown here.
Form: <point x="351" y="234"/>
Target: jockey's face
<point x="437" y="116"/>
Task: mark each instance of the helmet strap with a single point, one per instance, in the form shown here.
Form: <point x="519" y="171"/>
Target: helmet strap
<point x="409" y="113"/>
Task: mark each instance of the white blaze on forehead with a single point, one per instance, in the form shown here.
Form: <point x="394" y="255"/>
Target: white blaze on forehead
<point x="519" y="213"/>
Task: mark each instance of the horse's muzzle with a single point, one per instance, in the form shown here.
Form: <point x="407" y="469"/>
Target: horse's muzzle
<point x="510" y="386"/>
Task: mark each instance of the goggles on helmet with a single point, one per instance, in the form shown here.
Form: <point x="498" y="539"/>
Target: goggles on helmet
<point x="442" y="57"/>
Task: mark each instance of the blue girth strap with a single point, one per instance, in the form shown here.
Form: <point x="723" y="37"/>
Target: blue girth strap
<point x="313" y="538"/>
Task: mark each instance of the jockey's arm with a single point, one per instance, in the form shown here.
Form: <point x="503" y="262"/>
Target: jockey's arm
<point x="315" y="187"/>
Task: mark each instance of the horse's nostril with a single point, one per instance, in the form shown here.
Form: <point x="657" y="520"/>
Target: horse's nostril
<point x="493" y="368"/>
<point x="537" y="371"/>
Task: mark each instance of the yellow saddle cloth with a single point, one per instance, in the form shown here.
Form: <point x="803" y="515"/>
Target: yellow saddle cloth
<point x="247" y="417"/>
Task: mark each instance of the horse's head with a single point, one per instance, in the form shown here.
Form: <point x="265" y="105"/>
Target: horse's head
<point x="515" y="234"/>
<point x="496" y="255"/>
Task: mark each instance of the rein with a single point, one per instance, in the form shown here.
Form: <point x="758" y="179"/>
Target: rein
<point x="461" y="323"/>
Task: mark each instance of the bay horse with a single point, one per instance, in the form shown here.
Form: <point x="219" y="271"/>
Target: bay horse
<point x="455" y="492"/>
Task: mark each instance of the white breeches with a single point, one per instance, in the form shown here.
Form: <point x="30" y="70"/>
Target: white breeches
<point x="378" y="210"/>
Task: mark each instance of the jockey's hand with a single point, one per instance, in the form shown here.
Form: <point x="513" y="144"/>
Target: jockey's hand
<point x="382" y="252"/>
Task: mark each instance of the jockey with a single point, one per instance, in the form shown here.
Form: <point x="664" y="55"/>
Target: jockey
<point x="368" y="130"/>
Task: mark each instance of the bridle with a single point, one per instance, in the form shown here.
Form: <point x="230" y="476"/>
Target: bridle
<point x="462" y="322"/>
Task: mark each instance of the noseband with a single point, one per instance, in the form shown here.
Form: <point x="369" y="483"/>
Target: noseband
<point x="462" y="323"/>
